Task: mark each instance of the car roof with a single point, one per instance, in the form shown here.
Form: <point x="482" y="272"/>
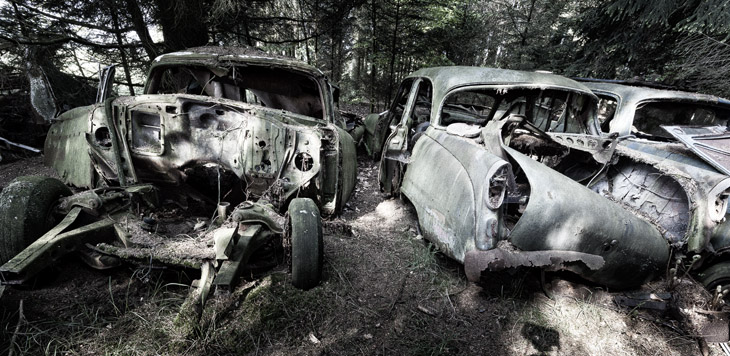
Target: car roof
<point x="211" y="55"/>
<point x="444" y="79"/>
<point x="631" y="96"/>
<point x="635" y="93"/>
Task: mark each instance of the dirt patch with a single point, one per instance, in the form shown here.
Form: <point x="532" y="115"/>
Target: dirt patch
<point x="385" y="291"/>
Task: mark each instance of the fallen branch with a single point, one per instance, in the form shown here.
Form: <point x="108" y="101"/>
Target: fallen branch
<point x="18" y="145"/>
<point x="398" y="293"/>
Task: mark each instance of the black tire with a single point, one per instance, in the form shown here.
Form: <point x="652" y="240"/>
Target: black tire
<point x="307" y="247"/>
<point x="26" y="212"/>
<point x="717" y="274"/>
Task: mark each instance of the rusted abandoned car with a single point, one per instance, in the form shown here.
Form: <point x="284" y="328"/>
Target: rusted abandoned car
<point x="639" y="109"/>
<point x="663" y="114"/>
<point x="508" y="169"/>
<point x="228" y="131"/>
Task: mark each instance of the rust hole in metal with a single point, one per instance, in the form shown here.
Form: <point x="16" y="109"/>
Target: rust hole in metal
<point x="303" y="161"/>
<point x="102" y="136"/>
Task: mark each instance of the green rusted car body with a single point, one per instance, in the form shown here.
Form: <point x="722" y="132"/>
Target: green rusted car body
<point x="195" y="110"/>
<point x="230" y="131"/>
<point x="508" y="169"/>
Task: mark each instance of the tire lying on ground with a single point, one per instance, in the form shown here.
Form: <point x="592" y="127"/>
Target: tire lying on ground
<point x="307" y="248"/>
<point x="26" y="212"/>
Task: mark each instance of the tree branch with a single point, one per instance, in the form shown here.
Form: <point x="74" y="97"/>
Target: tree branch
<point x="62" y="40"/>
<point x="278" y="18"/>
<point x="231" y="31"/>
<point x="68" y="20"/>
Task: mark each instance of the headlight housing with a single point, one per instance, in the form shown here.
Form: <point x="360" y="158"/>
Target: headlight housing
<point x="717" y="201"/>
<point x="498" y="178"/>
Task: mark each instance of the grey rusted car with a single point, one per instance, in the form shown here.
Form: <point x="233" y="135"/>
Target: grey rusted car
<point x="508" y="168"/>
<point x="663" y="114"/>
<point x="252" y="138"/>
<point x="636" y="109"/>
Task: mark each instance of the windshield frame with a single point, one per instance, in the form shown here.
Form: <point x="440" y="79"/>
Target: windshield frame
<point x="155" y="74"/>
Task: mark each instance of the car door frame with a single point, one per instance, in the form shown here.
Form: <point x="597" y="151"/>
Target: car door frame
<point x="395" y="155"/>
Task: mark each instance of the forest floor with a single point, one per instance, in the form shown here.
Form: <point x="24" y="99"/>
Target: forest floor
<point x="385" y="291"/>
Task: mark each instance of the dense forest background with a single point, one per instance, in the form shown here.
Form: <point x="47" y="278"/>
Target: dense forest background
<point x="367" y="46"/>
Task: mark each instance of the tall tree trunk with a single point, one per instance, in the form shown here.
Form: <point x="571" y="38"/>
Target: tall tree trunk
<point x="247" y="29"/>
<point x="358" y="65"/>
<point x="527" y="23"/>
<point x="393" y="43"/>
<point x="122" y="53"/>
<point x="183" y="23"/>
<point x="305" y="33"/>
<point x="373" y="66"/>
<point x="316" y="34"/>
<point x="140" y="27"/>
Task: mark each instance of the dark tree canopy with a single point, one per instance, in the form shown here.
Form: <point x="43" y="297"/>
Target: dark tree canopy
<point x="368" y="46"/>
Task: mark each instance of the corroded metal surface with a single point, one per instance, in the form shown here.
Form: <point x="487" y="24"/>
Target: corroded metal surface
<point x="216" y="126"/>
<point x="498" y="259"/>
<point x="570" y="188"/>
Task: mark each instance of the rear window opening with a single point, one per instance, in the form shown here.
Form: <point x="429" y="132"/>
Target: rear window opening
<point x="269" y="87"/>
<point x="650" y="116"/>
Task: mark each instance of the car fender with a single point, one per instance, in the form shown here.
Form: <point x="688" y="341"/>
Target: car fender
<point x="564" y="215"/>
<point x="348" y="166"/>
<point x="66" y="149"/>
<point x="448" y="203"/>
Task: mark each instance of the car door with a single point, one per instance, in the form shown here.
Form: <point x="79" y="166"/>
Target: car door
<point x="447" y="173"/>
<point x="399" y="143"/>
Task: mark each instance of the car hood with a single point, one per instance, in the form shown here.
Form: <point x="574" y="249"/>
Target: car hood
<point x="710" y="143"/>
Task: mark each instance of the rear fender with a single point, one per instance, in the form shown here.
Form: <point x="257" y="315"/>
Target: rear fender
<point x="348" y="167"/>
<point x="563" y="215"/>
<point x="66" y="149"/>
<point x="447" y="182"/>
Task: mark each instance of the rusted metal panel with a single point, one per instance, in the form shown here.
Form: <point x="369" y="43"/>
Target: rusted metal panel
<point x="710" y="143"/>
<point x="564" y="215"/>
<point x="66" y="149"/>
<point x="475" y="262"/>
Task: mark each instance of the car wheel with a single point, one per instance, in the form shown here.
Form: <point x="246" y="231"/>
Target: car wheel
<point x="26" y="212"/>
<point x="717" y="274"/>
<point x="307" y="248"/>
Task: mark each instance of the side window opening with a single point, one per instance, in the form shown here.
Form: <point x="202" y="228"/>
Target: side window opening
<point x="420" y="117"/>
<point x="650" y="116"/>
<point x="549" y="110"/>
<point x="399" y="104"/>
<point x="422" y="106"/>
<point x="470" y="107"/>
